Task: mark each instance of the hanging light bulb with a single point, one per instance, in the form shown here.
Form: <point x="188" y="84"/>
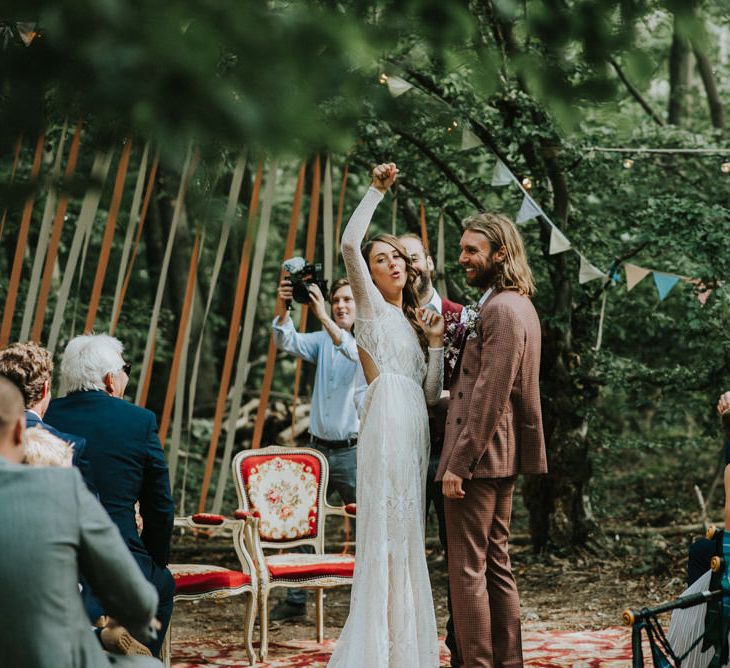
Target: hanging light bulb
<point x="628" y="163"/>
<point x="383" y="79"/>
<point x="453" y="126"/>
<point x="527" y="183"/>
<point x="725" y="167"/>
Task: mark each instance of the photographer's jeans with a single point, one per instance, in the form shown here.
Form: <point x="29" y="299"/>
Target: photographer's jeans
<point x="343" y="476"/>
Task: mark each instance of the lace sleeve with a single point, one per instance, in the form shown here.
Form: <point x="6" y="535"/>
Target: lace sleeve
<point x="368" y="299"/>
<point x="434" y="381"/>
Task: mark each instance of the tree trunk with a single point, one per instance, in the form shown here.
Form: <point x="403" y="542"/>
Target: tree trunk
<point x="679" y="71"/>
<point x="717" y="113"/>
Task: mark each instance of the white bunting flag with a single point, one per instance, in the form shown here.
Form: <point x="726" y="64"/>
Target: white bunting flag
<point x="501" y="175"/>
<point x="398" y="86"/>
<point x="588" y="272"/>
<point x="469" y="139"/>
<point x="558" y="241"/>
<point x="528" y="210"/>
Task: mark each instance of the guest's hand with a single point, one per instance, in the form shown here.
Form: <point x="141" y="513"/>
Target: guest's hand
<point x="451" y="486"/>
<point x="432" y="324"/>
<point x="723" y="404"/>
<point x="384" y="176"/>
<point x="317" y="302"/>
<point x="285" y="290"/>
<point x="723" y="408"/>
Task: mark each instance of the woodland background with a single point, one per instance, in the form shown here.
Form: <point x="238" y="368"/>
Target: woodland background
<point x="630" y="427"/>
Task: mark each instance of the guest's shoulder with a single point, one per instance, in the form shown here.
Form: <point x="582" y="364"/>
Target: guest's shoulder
<point x="127" y="408"/>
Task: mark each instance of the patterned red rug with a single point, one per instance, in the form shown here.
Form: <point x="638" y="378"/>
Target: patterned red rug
<point x="608" y="648"/>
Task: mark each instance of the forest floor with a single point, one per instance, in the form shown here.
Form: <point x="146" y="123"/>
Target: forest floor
<point x="649" y="515"/>
<point x="584" y="591"/>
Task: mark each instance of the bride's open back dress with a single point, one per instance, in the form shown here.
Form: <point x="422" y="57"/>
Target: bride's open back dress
<point x="391" y="622"/>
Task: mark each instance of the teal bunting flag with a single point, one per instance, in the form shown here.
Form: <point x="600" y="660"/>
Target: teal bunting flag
<point x="664" y="283"/>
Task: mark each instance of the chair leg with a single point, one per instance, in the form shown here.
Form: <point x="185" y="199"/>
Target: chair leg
<point x="264" y="623"/>
<point x="248" y="620"/>
<point x="320" y="615"/>
<point x="166" y="651"/>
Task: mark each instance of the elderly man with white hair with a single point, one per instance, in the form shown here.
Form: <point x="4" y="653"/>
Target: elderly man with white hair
<point x="125" y="455"/>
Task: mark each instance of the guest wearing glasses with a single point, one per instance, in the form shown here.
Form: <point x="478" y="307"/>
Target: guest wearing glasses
<point x="125" y="456"/>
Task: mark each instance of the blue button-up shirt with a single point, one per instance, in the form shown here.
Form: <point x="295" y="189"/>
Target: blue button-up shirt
<point x="333" y="416"/>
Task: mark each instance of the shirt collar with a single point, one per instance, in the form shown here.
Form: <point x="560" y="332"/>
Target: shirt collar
<point x="436" y="301"/>
<point x="30" y="410"/>
<point x="485" y="296"/>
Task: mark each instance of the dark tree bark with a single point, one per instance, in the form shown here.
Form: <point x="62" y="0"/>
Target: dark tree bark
<point x="717" y="112"/>
<point x="679" y="72"/>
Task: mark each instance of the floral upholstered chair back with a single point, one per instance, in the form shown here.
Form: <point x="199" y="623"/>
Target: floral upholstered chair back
<point x="284" y="488"/>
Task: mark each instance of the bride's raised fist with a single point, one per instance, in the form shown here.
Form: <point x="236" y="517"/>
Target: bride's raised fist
<point x="384" y="176"/>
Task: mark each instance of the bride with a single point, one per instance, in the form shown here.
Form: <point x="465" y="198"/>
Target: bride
<point x="391" y="622"/>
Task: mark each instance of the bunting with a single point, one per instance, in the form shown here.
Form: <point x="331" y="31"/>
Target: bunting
<point x="396" y="85"/>
<point x="528" y="210"/>
<point x="634" y="275"/>
<point x="468" y="139"/>
<point x="588" y="272"/>
<point x="558" y="241"/>
<point x="501" y="175"/>
<point x="664" y="283"/>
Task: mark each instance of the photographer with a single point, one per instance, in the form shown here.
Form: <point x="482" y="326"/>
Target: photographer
<point x="333" y="419"/>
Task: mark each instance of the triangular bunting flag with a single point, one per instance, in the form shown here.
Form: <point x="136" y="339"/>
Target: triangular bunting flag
<point x="664" y="283"/>
<point x="469" y="139"/>
<point x="528" y="210"/>
<point x="501" y="175"/>
<point x="398" y="86"/>
<point x="588" y="272"/>
<point x="558" y="242"/>
<point x="634" y="274"/>
<point x="703" y="293"/>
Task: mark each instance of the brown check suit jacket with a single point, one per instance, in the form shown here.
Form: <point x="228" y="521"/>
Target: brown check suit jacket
<point x="494" y="423"/>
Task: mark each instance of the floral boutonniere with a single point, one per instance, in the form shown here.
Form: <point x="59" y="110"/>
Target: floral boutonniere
<point x="458" y="331"/>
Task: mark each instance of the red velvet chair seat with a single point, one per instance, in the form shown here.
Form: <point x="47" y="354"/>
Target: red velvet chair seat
<point x="200" y="579"/>
<point x="295" y="566"/>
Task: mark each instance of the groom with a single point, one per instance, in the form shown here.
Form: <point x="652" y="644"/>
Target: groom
<point x="493" y="432"/>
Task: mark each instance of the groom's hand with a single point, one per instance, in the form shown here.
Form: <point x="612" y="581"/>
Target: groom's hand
<point x="451" y="486"/>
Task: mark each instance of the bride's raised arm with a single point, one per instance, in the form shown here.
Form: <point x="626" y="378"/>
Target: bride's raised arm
<point x="367" y="297"/>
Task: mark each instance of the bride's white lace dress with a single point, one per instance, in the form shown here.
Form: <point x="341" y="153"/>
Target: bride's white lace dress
<point x="391" y="622"/>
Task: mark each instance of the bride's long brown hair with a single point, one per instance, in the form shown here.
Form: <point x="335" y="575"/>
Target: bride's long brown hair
<point x="410" y="298"/>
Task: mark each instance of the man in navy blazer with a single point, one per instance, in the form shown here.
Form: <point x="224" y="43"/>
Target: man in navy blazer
<point x="30" y="367"/>
<point x="126" y="458"/>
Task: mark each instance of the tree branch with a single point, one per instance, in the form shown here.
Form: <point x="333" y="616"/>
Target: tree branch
<point x="445" y="169"/>
<point x="635" y="92"/>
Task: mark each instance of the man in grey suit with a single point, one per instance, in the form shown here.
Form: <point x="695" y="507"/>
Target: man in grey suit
<point x="54" y="529"/>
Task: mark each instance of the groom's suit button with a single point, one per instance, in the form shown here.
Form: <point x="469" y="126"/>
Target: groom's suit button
<point x="466" y="371"/>
<point x="461" y="394"/>
<point x="458" y="420"/>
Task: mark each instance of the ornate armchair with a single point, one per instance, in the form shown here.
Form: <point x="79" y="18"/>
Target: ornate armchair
<point x="195" y="582"/>
<point x="283" y="493"/>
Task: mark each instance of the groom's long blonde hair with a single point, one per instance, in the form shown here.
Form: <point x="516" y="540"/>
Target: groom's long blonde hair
<point x="501" y="232"/>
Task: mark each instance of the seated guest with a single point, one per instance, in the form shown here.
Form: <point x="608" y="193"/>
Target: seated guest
<point x="702" y="551"/>
<point x="125" y="456"/>
<point x="54" y="529"/>
<point x="42" y="448"/>
<point x="30" y="367"/>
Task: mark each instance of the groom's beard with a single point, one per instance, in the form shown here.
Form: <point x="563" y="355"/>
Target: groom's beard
<point x="485" y="278"/>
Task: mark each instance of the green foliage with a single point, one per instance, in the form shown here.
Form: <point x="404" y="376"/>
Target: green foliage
<point x="540" y="82"/>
